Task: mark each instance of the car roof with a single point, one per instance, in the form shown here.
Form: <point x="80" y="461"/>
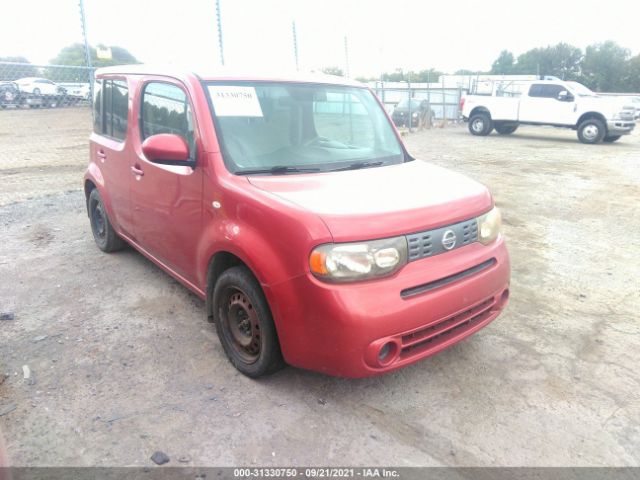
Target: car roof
<point x="225" y="73"/>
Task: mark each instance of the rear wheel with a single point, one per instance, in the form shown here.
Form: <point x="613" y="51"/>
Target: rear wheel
<point x="244" y="323"/>
<point x="611" y="138"/>
<point x="505" y="129"/>
<point x="480" y="124"/>
<point x="105" y="236"/>
<point x="36" y="91"/>
<point x="592" y="131"/>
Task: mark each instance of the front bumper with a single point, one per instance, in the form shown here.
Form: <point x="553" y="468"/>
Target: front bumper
<point x="340" y="329"/>
<point x="620" y="127"/>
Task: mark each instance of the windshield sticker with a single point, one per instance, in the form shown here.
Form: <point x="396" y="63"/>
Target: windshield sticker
<point x="234" y="101"/>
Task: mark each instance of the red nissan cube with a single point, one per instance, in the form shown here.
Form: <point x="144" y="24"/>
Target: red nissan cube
<point x="292" y="207"/>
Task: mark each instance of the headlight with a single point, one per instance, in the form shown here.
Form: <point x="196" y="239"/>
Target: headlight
<point x="489" y="226"/>
<point x="349" y="262"/>
<point x="414" y="114"/>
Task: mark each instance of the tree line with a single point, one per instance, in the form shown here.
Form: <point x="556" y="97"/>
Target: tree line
<point x="603" y="67"/>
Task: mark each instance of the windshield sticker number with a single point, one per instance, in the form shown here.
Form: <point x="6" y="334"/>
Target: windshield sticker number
<point x="234" y="101"/>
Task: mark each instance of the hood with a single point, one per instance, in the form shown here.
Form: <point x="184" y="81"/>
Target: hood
<point x="382" y="201"/>
<point x="608" y="104"/>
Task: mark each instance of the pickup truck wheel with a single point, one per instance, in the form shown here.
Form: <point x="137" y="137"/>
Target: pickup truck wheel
<point x="505" y="129"/>
<point x="611" y="138"/>
<point x="244" y="324"/>
<point x="591" y="131"/>
<point x="103" y="233"/>
<point x="480" y="124"/>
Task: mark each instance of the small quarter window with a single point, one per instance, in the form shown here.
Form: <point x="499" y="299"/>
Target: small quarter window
<point x="97" y="106"/>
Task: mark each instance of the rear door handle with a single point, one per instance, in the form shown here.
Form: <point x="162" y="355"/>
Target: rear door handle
<point x="101" y="154"/>
<point x="137" y="171"/>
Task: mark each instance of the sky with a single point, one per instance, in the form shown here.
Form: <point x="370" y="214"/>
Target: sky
<point x="381" y="35"/>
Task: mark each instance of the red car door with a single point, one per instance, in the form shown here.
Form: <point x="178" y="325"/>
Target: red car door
<point x="167" y="199"/>
<point x="111" y="149"/>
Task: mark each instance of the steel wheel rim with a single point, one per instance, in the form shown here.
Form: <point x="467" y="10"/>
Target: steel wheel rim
<point x="591" y="132"/>
<point x="241" y="325"/>
<point x="477" y="125"/>
<point x="98" y="221"/>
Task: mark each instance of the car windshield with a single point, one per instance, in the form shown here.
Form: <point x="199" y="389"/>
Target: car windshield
<point x="278" y="128"/>
<point x="581" y="90"/>
<point x="415" y="104"/>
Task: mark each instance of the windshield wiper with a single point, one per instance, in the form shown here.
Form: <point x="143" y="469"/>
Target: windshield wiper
<point x="278" y="169"/>
<point x="357" y="165"/>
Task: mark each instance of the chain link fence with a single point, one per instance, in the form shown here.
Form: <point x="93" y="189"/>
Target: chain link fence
<point x="45" y="123"/>
<point x="431" y="105"/>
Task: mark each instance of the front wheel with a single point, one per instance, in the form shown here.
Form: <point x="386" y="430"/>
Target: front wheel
<point x="480" y="124"/>
<point x="611" y="138"/>
<point x="505" y="129"/>
<point x="592" y="131"/>
<point x="244" y="324"/>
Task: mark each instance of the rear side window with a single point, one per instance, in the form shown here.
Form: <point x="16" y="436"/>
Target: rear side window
<point x="111" y="108"/>
<point x="536" y="90"/>
<point x="165" y="109"/>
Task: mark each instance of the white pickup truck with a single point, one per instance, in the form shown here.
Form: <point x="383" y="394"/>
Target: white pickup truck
<point x="506" y="105"/>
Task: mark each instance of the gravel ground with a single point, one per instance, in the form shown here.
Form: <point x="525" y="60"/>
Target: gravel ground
<point x="122" y="362"/>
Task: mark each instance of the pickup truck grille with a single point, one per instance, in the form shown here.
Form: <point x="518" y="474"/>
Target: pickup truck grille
<point x="627" y="113"/>
<point x="432" y="242"/>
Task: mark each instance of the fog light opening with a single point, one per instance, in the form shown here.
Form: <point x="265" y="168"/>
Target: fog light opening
<point x="387" y="353"/>
<point x="504" y="298"/>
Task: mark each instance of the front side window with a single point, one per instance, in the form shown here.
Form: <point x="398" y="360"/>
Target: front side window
<point x="165" y="109"/>
<point x="552" y="91"/>
<point x="267" y="127"/>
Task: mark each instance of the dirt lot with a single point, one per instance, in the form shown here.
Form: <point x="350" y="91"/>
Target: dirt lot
<point x="123" y="362"/>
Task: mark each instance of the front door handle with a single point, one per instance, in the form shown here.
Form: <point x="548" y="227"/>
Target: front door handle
<point x="101" y="154"/>
<point x="137" y="171"/>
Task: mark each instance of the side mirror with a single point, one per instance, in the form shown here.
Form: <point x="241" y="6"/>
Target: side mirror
<point x="167" y="149"/>
<point x="565" y="96"/>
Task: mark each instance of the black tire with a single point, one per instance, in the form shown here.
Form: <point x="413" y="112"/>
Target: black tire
<point x="611" y="138"/>
<point x="244" y="324"/>
<point x="36" y="91"/>
<point x="592" y="131"/>
<point x="480" y="124"/>
<point x="505" y="129"/>
<point x="105" y="236"/>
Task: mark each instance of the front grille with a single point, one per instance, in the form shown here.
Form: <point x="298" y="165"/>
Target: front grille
<point x="627" y="115"/>
<point x="435" y="334"/>
<point x="430" y="242"/>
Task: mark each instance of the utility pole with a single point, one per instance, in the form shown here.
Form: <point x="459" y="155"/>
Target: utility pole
<point x="295" y="45"/>
<point x="219" y="22"/>
<point x="87" y="51"/>
<point x="346" y="57"/>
